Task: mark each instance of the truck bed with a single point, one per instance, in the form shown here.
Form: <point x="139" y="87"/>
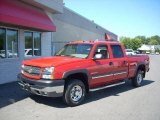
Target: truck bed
<point x="134" y="61"/>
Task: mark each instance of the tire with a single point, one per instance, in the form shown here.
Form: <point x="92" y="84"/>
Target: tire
<point x="74" y="93"/>
<point x="137" y="80"/>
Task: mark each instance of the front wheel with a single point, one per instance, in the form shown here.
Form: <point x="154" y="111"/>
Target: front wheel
<point x="74" y="93"/>
<point x="137" y="80"/>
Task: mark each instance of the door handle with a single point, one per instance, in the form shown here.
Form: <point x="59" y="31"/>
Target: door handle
<point x="125" y="62"/>
<point x="110" y="63"/>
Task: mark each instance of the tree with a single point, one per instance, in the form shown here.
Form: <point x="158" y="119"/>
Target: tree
<point x="156" y="37"/>
<point x="153" y="42"/>
<point x="142" y="38"/>
<point x="131" y="43"/>
<point x="147" y="41"/>
<point x="126" y="41"/>
<point x="136" y="43"/>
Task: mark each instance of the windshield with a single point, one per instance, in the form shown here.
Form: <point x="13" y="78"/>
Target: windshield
<point x="75" y="50"/>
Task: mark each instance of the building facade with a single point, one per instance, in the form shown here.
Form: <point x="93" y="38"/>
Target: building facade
<point x="39" y="28"/>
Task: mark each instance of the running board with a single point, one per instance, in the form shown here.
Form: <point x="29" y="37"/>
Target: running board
<point x="107" y="86"/>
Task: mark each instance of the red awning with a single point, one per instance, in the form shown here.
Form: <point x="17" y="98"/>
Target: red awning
<point x="17" y="13"/>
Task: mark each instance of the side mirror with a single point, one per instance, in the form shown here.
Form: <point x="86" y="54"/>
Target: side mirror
<point x="97" y="56"/>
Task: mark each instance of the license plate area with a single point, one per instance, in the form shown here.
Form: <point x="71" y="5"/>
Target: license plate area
<point x="25" y="86"/>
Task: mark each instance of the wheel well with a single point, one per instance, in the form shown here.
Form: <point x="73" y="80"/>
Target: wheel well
<point x="142" y="68"/>
<point x="80" y="76"/>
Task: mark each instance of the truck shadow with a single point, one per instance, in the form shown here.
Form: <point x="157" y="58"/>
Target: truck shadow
<point x="92" y="96"/>
<point x="12" y="93"/>
<point x="113" y="91"/>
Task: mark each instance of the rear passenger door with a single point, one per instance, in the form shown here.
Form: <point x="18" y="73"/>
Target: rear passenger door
<point x="119" y="62"/>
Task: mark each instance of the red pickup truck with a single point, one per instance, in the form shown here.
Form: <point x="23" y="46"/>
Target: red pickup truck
<point x="80" y="67"/>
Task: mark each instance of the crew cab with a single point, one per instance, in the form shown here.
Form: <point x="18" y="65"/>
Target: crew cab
<point x="80" y="67"/>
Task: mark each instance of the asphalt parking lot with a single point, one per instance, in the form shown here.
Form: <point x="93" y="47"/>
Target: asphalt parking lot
<point x="122" y="102"/>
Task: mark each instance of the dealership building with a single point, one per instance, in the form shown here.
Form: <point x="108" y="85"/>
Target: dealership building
<point x="39" y="28"/>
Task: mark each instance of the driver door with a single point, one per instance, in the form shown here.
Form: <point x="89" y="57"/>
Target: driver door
<point x="101" y="69"/>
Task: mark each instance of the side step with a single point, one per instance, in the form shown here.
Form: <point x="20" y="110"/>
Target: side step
<point x="107" y="86"/>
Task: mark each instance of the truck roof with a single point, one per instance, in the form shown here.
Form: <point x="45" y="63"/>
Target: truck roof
<point x="92" y="42"/>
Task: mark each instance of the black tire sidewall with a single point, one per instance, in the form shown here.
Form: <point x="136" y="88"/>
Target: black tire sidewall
<point x="135" y="79"/>
<point x="67" y="96"/>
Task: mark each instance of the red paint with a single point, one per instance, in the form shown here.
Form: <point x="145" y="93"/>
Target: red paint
<point x="95" y="68"/>
<point x="19" y="14"/>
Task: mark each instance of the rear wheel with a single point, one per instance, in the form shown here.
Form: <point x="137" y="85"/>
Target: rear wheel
<point x="74" y="93"/>
<point x="137" y="80"/>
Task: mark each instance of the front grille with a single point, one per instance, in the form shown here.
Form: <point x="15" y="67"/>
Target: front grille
<point x="31" y="70"/>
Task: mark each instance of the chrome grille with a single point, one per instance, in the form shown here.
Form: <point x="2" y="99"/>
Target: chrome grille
<point x="31" y="70"/>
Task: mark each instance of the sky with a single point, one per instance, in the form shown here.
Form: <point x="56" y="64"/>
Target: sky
<point x="128" y="18"/>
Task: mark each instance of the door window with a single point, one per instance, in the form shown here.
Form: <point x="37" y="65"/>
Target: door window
<point x="102" y="49"/>
<point x="117" y="51"/>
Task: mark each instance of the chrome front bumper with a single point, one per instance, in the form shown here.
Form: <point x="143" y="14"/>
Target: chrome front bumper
<point x="49" y="88"/>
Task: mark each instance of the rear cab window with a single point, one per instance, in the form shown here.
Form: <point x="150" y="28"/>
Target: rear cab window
<point x="117" y="51"/>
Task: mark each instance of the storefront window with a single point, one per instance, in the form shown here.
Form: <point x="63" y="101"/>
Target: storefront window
<point x="8" y="43"/>
<point x="37" y="44"/>
<point x="32" y="44"/>
<point x="2" y="43"/>
<point x="12" y="46"/>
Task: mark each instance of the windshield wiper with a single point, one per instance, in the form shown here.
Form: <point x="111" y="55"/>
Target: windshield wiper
<point x="58" y="55"/>
<point x="69" y="55"/>
<point x="66" y="55"/>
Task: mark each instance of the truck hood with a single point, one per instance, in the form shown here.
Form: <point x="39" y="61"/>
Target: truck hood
<point x="51" y="61"/>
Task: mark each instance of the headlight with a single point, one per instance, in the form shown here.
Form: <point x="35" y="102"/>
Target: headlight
<point x="22" y="69"/>
<point x="48" y="73"/>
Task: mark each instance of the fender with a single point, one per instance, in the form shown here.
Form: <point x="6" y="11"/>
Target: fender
<point x="139" y="64"/>
<point x="84" y="71"/>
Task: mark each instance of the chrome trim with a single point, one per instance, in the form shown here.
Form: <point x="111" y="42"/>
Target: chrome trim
<point x="94" y="73"/>
<point x="107" y="86"/>
<point x="31" y="70"/>
<point x="102" y="76"/>
<point x="108" y="75"/>
<point x="120" y="73"/>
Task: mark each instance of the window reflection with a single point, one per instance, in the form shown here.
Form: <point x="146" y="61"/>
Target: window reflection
<point x="37" y="44"/>
<point x="12" y="46"/>
<point x="32" y="44"/>
<point x="2" y="43"/>
<point x="8" y="43"/>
